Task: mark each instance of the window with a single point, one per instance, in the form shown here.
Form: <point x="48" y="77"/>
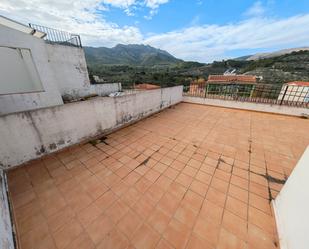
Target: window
<point x="18" y="73"/>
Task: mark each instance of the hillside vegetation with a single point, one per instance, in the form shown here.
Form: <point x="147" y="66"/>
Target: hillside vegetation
<point x="131" y="64"/>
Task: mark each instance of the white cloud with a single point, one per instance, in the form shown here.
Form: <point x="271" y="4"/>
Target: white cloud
<point x="120" y="3"/>
<point x="198" y="42"/>
<point x="76" y="16"/>
<point x="154" y="4"/>
<point x="128" y="5"/>
<point x="257" y="9"/>
<point x="213" y="42"/>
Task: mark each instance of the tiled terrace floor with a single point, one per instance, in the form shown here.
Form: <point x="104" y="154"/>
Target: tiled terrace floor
<point x="189" y="177"/>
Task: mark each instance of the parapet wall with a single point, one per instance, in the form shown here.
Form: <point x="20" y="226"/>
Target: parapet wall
<point x="32" y="134"/>
<point x="6" y="235"/>
<point x="259" y="107"/>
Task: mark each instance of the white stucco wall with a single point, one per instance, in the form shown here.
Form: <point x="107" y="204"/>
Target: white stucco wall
<point x="70" y="69"/>
<point x="50" y="96"/>
<point x="6" y="236"/>
<point x="291" y="207"/>
<point x="286" y="110"/>
<point x="29" y="135"/>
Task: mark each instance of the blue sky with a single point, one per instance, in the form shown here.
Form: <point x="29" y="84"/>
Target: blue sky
<point x="200" y="30"/>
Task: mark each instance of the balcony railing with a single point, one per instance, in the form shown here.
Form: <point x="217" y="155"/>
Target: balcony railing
<point x="289" y="95"/>
<point x="58" y="36"/>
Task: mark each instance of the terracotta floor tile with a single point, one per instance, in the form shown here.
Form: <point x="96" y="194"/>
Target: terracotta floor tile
<point x="66" y="234"/>
<point x="89" y="214"/>
<point x="123" y="171"/>
<point x="159" y="182"/>
<point x="114" y="240"/>
<point x="158" y="220"/>
<point x="225" y="167"/>
<point x="260" y="203"/>
<point x="171" y="173"/>
<point x="120" y="188"/>
<point x="106" y="200"/>
<point x="219" y="184"/>
<point x="177" y="234"/>
<point x="154" y="194"/>
<point x="166" y="160"/>
<point x="168" y="204"/>
<point x="131" y="196"/>
<point x="186" y="215"/>
<point x="192" y="200"/>
<point x="117" y="210"/>
<point x="256" y="236"/>
<point x="190" y="171"/>
<point x="261" y="220"/>
<point x="142" y="185"/>
<point x="28" y="223"/>
<point x="177" y="190"/>
<point x="184" y="180"/>
<point x="237" y="207"/>
<point x="145" y="238"/>
<point x="132" y="178"/>
<point x="163" y="244"/>
<point x="179" y="163"/>
<point x="208" y="230"/>
<point x="83" y="241"/>
<point x="203" y="177"/>
<point x="208" y="169"/>
<point x="59" y="219"/>
<point x="216" y="197"/>
<point x="152" y="175"/>
<point x="228" y="240"/>
<point x="241" y="173"/>
<point x="235" y="225"/>
<point x="258" y="189"/>
<point x="194" y="163"/>
<point x="222" y="175"/>
<point x="164" y="182"/>
<point x="199" y="187"/>
<point x="238" y="193"/>
<point x="129" y="223"/>
<point x="99" y="228"/>
<point x="210" y="161"/>
<point x="160" y="167"/>
<point x="143" y="207"/>
<point x="211" y="211"/>
<point x="196" y="242"/>
<point x="239" y="182"/>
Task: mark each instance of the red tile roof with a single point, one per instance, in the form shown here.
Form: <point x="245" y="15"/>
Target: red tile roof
<point x="232" y="78"/>
<point x="298" y="83"/>
<point x="146" y="86"/>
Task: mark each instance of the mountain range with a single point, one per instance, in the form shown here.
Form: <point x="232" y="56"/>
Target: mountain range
<point x="133" y="54"/>
<point x="260" y="56"/>
<point x="134" y="63"/>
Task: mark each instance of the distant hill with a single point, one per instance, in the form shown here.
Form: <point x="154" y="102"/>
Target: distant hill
<point x="133" y="54"/>
<point x="130" y="64"/>
<point x="260" y="56"/>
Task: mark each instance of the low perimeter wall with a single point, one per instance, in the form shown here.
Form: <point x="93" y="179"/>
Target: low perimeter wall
<point x="291" y="207"/>
<point x="260" y="107"/>
<point x="6" y="235"/>
<point x="32" y="134"/>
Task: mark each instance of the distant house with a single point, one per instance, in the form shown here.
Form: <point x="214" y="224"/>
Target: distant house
<point x="232" y="79"/>
<point x="146" y="86"/>
<point x="231" y="85"/>
<point x="296" y="91"/>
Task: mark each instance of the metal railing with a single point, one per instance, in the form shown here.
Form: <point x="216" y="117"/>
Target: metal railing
<point x="259" y="93"/>
<point x="58" y="36"/>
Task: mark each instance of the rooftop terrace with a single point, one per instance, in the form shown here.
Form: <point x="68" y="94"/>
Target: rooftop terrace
<point x="191" y="176"/>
